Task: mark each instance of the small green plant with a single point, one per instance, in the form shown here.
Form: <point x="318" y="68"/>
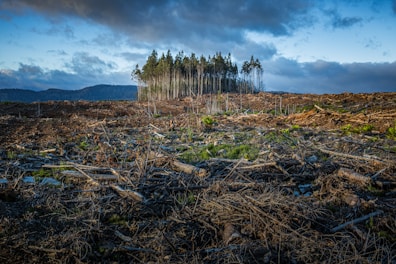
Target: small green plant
<point x="11" y="155"/>
<point x="295" y="127"/>
<point x="346" y="129"/>
<point x="83" y="145"/>
<point x="391" y="132"/>
<point x="285" y="131"/>
<point x="41" y="173"/>
<point x="186" y="199"/>
<point x="370" y="223"/>
<point x="366" y="128"/>
<point x="208" y="121"/>
<point x="118" y="220"/>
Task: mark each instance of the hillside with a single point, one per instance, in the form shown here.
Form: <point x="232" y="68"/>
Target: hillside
<point x="93" y="93"/>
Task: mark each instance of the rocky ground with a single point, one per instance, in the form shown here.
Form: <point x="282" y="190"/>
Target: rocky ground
<point x="263" y="178"/>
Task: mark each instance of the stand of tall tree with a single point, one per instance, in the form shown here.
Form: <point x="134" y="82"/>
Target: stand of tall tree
<point x="165" y="77"/>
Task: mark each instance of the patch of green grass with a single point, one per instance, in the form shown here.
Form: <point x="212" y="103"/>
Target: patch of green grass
<point x="42" y="173"/>
<point x="226" y="151"/>
<point x="282" y="136"/>
<point x="349" y="129"/>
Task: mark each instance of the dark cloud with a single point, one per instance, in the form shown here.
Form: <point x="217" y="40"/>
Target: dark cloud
<point x="394" y="6"/>
<point x="148" y="20"/>
<point x="329" y="77"/>
<point x="345" y="22"/>
<point x="338" y="21"/>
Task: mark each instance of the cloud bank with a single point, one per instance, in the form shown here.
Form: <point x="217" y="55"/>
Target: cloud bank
<point x="203" y="27"/>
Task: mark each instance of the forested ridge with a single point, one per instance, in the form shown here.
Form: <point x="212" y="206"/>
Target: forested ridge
<point x="167" y="77"/>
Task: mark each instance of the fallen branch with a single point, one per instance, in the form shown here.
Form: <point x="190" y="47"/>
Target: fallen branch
<point x="89" y="178"/>
<point x="98" y="177"/>
<point x="126" y="193"/>
<point x="349" y="156"/>
<point x="260" y="165"/>
<point x="353" y="176"/>
<point x="355" y="221"/>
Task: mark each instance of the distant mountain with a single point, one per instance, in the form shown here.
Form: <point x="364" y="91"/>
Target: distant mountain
<point x="93" y="93"/>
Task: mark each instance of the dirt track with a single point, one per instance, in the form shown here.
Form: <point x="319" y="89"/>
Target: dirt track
<point x="130" y="182"/>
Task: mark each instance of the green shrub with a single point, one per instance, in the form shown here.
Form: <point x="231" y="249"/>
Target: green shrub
<point x="391" y="132"/>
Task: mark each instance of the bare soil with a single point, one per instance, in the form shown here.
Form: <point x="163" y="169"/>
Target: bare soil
<point x="220" y="179"/>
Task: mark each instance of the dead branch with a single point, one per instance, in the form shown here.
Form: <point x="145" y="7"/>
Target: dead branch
<point x="356" y="221"/>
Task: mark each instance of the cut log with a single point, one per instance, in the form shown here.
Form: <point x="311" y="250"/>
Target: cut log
<point x="190" y="169"/>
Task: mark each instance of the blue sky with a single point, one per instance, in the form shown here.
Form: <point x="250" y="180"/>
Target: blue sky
<point x="307" y="46"/>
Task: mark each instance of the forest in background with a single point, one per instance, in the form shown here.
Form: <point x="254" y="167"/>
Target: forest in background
<point x="165" y="77"/>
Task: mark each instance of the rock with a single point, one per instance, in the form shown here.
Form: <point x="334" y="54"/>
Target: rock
<point x="50" y="181"/>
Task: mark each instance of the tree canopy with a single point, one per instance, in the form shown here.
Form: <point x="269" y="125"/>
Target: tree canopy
<point x="168" y="77"/>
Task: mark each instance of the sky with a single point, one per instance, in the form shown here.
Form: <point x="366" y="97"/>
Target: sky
<point x="304" y="46"/>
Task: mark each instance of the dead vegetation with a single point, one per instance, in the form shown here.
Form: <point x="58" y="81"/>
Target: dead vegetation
<point x="114" y="182"/>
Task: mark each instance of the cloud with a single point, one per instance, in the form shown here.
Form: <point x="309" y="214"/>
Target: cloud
<point x="337" y="21"/>
<point x="394" y="6"/>
<point x="36" y="78"/>
<point x="84" y="64"/>
<point x="262" y="51"/>
<point x="57" y="52"/>
<point x="153" y="20"/>
<point x="329" y="77"/>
